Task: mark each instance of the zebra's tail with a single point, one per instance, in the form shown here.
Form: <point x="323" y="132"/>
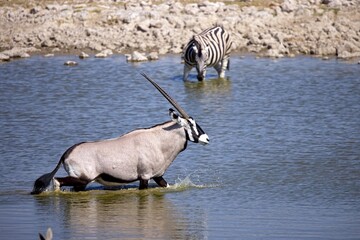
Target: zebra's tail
<point x="228" y="65"/>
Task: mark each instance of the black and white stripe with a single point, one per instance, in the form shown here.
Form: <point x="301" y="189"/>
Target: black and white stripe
<point x="211" y="48"/>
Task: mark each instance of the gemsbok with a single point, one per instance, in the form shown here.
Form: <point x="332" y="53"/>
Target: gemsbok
<point x="142" y="154"/>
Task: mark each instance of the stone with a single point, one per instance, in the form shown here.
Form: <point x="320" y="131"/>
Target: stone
<point x="318" y="27"/>
<point x="24" y="55"/>
<point x="273" y="53"/>
<point x="55" y="50"/>
<point x="46" y="43"/>
<point x="136" y="57"/>
<point x="105" y="53"/>
<point x="143" y="26"/>
<point x="4" y="57"/>
<point x="153" y="56"/>
<point x="101" y="55"/>
<point x="191" y="9"/>
<point x="70" y="63"/>
<point x="93" y="45"/>
<point x="289" y="5"/>
<point x="83" y="55"/>
<point x="108" y="52"/>
<point x="17" y="53"/>
<point x="35" y="10"/>
<point x="332" y="3"/>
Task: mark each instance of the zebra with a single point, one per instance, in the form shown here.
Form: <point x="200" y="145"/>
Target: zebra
<point x="210" y="48"/>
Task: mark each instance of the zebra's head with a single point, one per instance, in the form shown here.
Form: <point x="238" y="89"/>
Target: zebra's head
<point x="201" y="56"/>
<point x="194" y="133"/>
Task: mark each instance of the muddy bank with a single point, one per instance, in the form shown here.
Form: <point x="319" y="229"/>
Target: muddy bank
<point x="275" y="29"/>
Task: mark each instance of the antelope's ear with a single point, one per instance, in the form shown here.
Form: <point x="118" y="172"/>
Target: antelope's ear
<point x="176" y="118"/>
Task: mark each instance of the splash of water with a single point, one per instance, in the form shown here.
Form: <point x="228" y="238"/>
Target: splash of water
<point x="192" y="181"/>
<point x="186" y="183"/>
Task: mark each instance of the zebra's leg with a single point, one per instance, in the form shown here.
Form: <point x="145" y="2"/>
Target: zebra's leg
<point x="218" y="69"/>
<point x="187" y="69"/>
<point x="222" y="66"/>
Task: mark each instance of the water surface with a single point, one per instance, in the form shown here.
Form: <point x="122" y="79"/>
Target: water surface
<point x="283" y="160"/>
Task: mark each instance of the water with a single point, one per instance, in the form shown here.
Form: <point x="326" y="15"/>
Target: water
<point x="283" y="160"/>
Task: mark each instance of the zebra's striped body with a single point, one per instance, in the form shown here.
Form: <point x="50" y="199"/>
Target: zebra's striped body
<point x="211" y="48"/>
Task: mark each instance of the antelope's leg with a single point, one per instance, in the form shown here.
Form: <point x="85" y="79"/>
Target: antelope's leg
<point x="143" y="184"/>
<point x="161" y="181"/>
<point x="77" y="183"/>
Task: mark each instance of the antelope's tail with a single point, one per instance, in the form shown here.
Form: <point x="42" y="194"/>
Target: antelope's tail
<point x="43" y="182"/>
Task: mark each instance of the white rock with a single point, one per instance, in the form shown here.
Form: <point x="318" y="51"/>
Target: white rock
<point x="153" y="56"/>
<point x="289" y="5"/>
<point x="83" y="55"/>
<point x="101" y="55"/>
<point x="136" y="57"/>
<point x="105" y="53"/>
<point x="70" y="63"/>
<point x="4" y="57"/>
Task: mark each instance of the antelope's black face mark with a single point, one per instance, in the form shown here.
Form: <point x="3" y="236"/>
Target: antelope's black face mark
<point x="194" y="131"/>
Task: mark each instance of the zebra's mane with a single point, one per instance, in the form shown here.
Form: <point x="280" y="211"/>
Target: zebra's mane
<point x="200" y="42"/>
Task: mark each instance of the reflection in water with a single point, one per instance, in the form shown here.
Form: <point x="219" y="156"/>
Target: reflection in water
<point x="118" y="214"/>
<point x="211" y="96"/>
<point x="210" y="86"/>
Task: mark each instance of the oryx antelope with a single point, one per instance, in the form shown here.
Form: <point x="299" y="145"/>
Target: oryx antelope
<point x="210" y="48"/>
<point x="142" y="154"/>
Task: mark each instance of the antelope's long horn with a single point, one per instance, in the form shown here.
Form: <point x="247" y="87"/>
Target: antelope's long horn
<point x="167" y="96"/>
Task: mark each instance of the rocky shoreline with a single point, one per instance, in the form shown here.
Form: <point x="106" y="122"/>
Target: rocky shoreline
<point x="278" y="28"/>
